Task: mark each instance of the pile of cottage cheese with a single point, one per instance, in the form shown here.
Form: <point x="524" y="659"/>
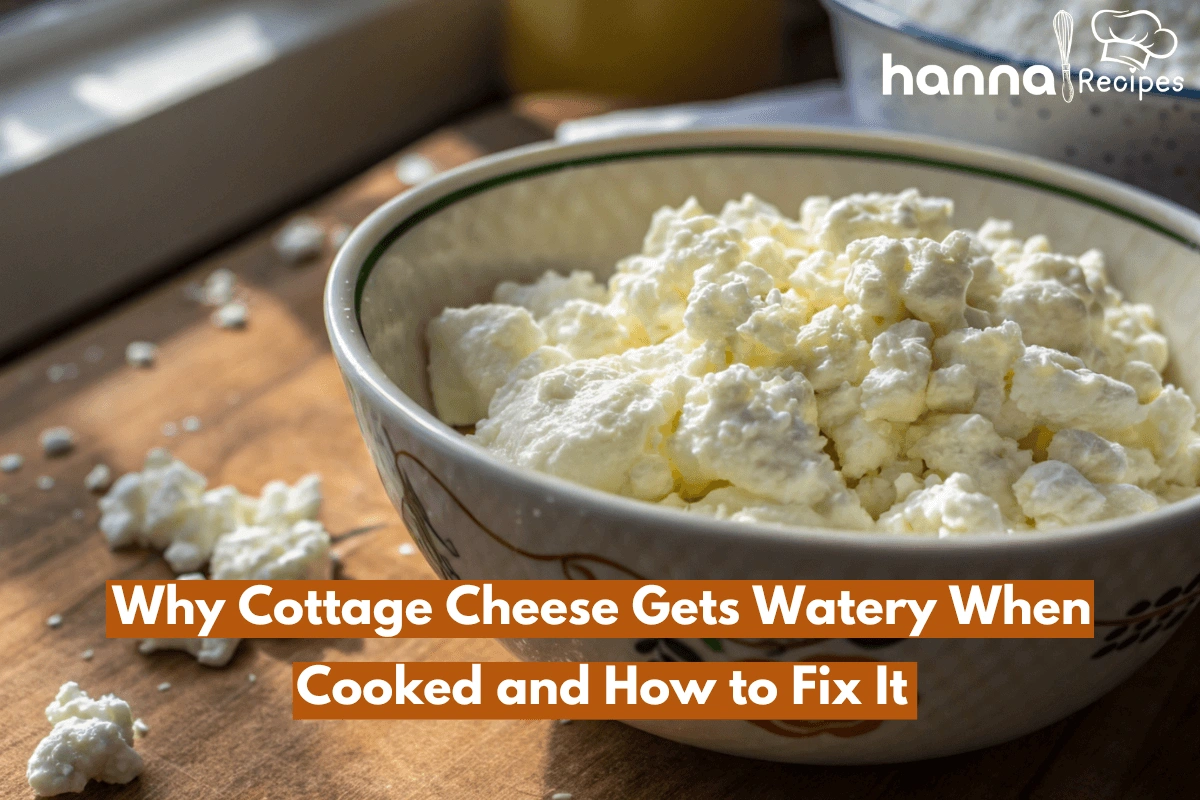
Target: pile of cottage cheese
<point x="865" y="367"/>
<point x="1024" y="29"/>
<point x="167" y="506"/>
<point x="91" y="739"/>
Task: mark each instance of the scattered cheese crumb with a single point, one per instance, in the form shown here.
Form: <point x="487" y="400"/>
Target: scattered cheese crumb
<point x="88" y="655"/>
<point x="218" y="287"/>
<point x="251" y="677"/>
<point x="62" y="372"/>
<point x="407" y="549"/>
<point x="164" y="686"/>
<point x="45" y="483"/>
<point x="91" y="739"/>
<point x="191" y="424"/>
<point x="11" y="462"/>
<point x="564" y="722"/>
<point x="230" y="316"/>
<point x="299" y="240"/>
<point x="210" y="652"/>
<point x="57" y="441"/>
<point x="166" y="506"/>
<point x="561" y="796"/>
<point x="98" y="479"/>
<point x="415" y="168"/>
<point x="55" y="620"/>
<point x="141" y="354"/>
<point x="294" y="551"/>
<point x="169" y="429"/>
<point x="140" y="728"/>
<point x="77" y="513"/>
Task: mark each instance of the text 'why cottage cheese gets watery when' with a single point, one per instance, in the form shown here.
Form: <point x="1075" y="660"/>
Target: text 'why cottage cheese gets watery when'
<point x="864" y="367"/>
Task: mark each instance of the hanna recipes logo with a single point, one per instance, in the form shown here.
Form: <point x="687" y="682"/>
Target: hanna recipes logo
<point x="1128" y="38"/>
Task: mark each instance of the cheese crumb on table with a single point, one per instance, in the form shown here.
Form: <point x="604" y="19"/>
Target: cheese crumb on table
<point x="299" y="240"/>
<point x="280" y="551"/>
<point x="231" y="316"/>
<point x="164" y="686"/>
<point x="211" y="652"/>
<point x="57" y="373"/>
<point x="864" y="366"/>
<point x="54" y="620"/>
<point x="140" y="728"/>
<point x="167" y="506"/>
<point x="414" y="168"/>
<point x="91" y="740"/>
<point x="45" y="483"/>
<point x="141" y="354"/>
<point x="98" y="479"/>
<point x="57" y="441"/>
<point x="11" y="462"/>
<point x="218" y="288"/>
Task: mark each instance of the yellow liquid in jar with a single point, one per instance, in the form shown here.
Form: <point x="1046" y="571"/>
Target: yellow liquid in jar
<point x="644" y="50"/>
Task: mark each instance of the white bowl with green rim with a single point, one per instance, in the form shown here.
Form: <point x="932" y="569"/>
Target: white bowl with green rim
<point x="583" y="206"/>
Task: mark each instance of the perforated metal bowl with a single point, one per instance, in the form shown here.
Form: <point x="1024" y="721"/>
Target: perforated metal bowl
<point x="1153" y="143"/>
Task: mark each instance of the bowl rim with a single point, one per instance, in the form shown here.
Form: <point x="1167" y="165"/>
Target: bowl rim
<point x="899" y="22"/>
<point x="372" y="237"/>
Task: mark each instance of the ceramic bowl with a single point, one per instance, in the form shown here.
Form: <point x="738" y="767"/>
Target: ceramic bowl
<point x="1153" y="143"/>
<point x="582" y="206"/>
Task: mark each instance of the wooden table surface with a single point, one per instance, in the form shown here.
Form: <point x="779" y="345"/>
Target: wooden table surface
<point x="272" y="405"/>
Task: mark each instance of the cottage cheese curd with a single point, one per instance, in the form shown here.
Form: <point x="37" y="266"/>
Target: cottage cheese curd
<point x="865" y="366"/>
<point x="91" y="739"/>
<point x="167" y="506"/>
<point x="211" y="652"/>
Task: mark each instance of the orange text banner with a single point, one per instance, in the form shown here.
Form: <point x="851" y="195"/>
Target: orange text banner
<point x="599" y="609"/>
<point x="605" y="690"/>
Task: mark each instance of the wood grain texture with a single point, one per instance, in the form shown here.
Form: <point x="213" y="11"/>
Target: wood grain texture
<point x="272" y="405"/>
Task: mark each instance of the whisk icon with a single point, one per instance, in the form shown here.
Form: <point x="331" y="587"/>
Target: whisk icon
<point x="1064" y="27"/>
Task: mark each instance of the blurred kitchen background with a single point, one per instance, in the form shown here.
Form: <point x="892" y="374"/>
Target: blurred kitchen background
<point x="136" y="135"/>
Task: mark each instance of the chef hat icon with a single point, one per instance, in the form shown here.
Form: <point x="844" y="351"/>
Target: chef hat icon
<point x="1132" y="38"/>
